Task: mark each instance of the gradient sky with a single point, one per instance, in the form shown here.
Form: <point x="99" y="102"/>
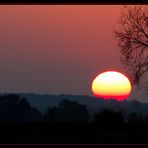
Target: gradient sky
<point x="57" y="49"/>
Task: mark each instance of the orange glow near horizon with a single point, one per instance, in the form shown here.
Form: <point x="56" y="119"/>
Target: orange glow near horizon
<point x="111" y="85"/>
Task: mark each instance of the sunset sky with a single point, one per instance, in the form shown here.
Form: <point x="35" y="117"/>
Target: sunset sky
<point x="57" y="49"/>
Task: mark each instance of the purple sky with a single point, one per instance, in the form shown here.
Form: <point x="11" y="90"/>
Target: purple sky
<point x="57" y="49"/>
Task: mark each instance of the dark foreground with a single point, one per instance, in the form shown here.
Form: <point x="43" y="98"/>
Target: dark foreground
<point x="73" y="133"/>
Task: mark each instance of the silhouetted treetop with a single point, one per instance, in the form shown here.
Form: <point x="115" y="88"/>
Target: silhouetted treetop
<point x="132" y="37"/>
<point x="67" y="111"/>
<point x="14" y="108"/>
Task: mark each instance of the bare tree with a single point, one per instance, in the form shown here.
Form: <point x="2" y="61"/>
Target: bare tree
<point x="132" y="37"/>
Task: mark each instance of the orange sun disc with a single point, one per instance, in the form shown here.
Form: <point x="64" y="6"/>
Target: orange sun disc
<point x="111" y="85"/>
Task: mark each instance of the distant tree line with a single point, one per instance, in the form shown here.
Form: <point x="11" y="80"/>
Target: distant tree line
<point x="67" y="111"/>
<point x="14" y="108"/>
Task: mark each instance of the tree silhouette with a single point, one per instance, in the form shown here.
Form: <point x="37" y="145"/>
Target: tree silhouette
<point x="146" y="118"/>
<point x="109" y="117"/>
<point x="67" y="111"/>
<point x="72" y="111"/>
<point x="13" y="108"/>
<point x="132" y="36"/>
<point x="135" y="118"/>
<point x="50" y="115"/>
<point x="132" y="118"/>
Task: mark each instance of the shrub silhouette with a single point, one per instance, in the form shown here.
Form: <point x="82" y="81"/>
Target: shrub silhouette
<point x="109" y="117"/>
<point x="136" y="118"/>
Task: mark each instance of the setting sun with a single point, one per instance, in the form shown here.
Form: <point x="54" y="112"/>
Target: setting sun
<point x="111" y="85"/>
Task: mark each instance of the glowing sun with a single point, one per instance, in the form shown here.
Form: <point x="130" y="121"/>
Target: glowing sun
<point x="111" y="85"/>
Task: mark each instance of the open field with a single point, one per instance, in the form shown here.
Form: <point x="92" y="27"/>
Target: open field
<point x="70" y="133"/>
